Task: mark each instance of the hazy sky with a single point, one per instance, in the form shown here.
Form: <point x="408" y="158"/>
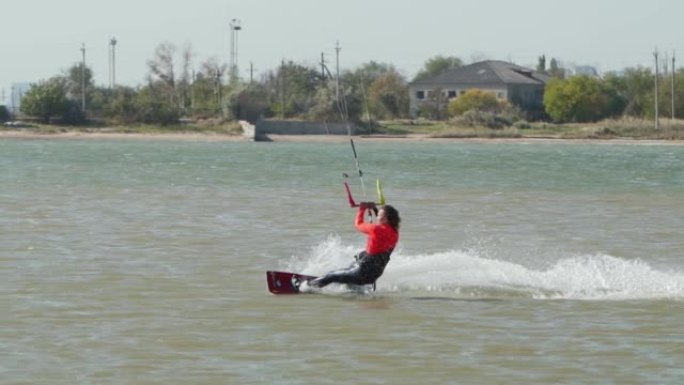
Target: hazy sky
<point x="42" y="38"/>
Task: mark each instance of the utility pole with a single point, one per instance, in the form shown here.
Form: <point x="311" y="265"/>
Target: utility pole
<point x="655" y="55"/>
<point x="673" y="86"/>
<point x="337" y="70"/>
<point x="192" y="92"/>
<point x="251" y="72"/>
<point x="218" y="88"/>
<point x="322" y="66"/>
<point x="13" y="112"/>
<point x="112" y="62"/>
<point x="282" y="89"/>
<point x="83" y="105"/>
<point x="235" y="26"/>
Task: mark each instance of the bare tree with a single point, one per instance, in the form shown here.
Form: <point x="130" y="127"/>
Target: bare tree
<point x="163" y="73"/>
<point x="161" y="66"/>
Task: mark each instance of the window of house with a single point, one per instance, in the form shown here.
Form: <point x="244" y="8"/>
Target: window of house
<point x="420" y="95"/>
<point x="451" y="94"/>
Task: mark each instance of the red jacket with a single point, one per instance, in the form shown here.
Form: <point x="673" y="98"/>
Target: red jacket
<point x="381" y="236"/>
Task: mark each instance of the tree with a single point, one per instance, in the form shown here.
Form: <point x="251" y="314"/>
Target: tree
<point x="639" y="92"/>
<point x="153" y="108"/>
<point x="555" y="70"/>
<point x="184" y="82"/>
<point x="388" y="96"/>
<point x="541" y="64"/>
<point x="163" y="72"/>
<point x="207" y="90"/>
<point x="437" y="65"/>
<point x="325" y="107"/>
<point x="249" y="103"/>
<point x="46" y="99"/>
<point x="679" y="94"/>
<point x="475" y="100"/>
<point x="361" y="77"/>
<point x="577" y="99"/>
<point x="614" y="88"/>
<point x="76" y="77"/>
<point x="292" y="87"/>
<point x="121" y="106"/>
<point x="357" y="85"/>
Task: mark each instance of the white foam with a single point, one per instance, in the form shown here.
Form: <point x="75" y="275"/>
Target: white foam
<point x="595" y="277"/>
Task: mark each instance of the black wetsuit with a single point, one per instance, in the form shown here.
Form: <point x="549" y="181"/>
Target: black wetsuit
<point x="364" y="271"/>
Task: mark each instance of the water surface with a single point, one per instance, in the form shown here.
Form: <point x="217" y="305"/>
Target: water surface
<point x="129" y="262"/>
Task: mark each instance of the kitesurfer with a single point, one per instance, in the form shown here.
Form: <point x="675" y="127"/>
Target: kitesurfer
<point x="369" y="264"/>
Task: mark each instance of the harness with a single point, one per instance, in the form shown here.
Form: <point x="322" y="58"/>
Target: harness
<point x="375" y="262"/>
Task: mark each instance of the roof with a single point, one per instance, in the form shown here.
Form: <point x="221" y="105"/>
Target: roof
<point x="487" y="72"/>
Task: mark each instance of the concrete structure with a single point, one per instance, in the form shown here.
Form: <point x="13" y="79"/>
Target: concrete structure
<point x="297" y="127"/>
<point x="248" y="130"/>
<point x="521" y="86"/>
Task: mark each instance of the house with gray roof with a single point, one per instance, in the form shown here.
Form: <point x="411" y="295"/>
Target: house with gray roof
<point x="521" y="86"/>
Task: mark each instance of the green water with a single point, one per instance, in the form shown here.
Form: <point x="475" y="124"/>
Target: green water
<point x="129" y="262"/>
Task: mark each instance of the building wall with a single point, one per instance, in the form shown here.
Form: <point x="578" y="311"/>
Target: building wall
<point x="295" y="127"/>
<point x="500" y="91"/>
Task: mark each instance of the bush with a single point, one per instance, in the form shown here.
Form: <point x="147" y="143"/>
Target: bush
<point x="4" y="114"/>
<point x="476" y="118"/>
<point x="522" y="124"/>
<point x="475" y="99"/>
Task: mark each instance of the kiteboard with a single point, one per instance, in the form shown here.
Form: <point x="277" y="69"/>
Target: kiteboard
<point x="282" y="282"/>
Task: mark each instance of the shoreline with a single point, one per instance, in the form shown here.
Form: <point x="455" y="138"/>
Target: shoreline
<point x="214" y="137"/>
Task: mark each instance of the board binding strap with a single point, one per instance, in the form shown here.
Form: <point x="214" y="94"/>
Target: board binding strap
<point x="282" y="282"/>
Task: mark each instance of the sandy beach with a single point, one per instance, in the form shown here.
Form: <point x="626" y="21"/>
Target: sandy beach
<point x="20" y="134"/>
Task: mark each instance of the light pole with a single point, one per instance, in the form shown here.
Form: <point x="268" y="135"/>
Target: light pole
<point x="112" y="62"/>
<point x="83" y="79"/>
<point x="235" y="26"/>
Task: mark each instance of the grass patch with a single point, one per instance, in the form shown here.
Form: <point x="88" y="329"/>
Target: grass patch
<point x="208" y="128"/>
<point x="607" y="129"/>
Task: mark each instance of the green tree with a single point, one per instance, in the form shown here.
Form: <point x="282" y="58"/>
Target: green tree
<point x="46" y="100"/>
<point x="120" y="105"/>
<point x="638" y="88"/>
<point x="614" y="89"/>
<point x="436" y="65"/>
<point x="207" y="92"/>
<point x="577" y="99"/>
<point x="249" y="103"/>
<point x="555" y="70"/>
<point x="357" y="86"/>
<point x="325" y="107"/>
<point x="475" y="100"/>
<point x="76" y="78"/>
<point x="541" y="64"/>
<point x="388" y="96"/>
<point x="152" y="106"/>
<point x="679" y="94"/>
<point x="292" y="87"/>
<point x="361" y="78"/>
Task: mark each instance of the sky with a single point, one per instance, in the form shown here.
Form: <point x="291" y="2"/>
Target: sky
<point x="43" y="38"/>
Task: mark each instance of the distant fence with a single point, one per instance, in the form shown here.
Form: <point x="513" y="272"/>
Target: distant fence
<point x="294" y="127"/>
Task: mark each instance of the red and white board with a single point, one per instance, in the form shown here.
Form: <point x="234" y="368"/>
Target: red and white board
<point x="281" y="282"/>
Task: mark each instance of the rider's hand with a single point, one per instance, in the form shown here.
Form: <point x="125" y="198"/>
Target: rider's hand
<point x="367" y="205"/>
